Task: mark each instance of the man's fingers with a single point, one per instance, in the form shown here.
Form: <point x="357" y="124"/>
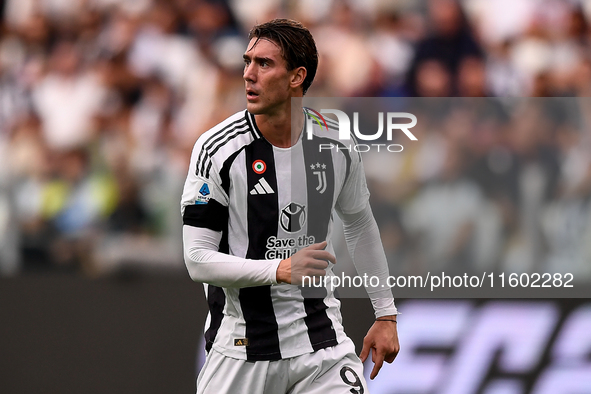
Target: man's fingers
<point x="390" y="358"/>
<point x="389" y="353"/>
<point x="318" y="252"/>
<point x="317" y="246"/>
<point x="364" y="352"/>
<point x="377" y="366"/>
<point x="320" y="264"/>
<point x="323" y="255"/>
<point x="316" y="272"/>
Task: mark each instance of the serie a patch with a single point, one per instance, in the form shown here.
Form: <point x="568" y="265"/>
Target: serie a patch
<point x="241" y="342"/>
<point x="204" y="195"/>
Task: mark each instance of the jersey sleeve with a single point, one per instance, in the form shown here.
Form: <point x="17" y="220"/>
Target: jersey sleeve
<point x="365" y="247"/>
<point x="204" y="202"/>
<point x="205" y="264"/>
<point x="354" y="195"/>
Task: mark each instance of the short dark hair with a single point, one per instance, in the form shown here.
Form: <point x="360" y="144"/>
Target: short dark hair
<point x="296" y="42"/>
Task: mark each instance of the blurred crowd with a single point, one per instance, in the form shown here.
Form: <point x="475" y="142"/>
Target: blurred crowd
<point x="101" y="102"/>
<point x="491" y="185"/>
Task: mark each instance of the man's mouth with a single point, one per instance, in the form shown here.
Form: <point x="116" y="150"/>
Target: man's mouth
<point x="251" y="94"/>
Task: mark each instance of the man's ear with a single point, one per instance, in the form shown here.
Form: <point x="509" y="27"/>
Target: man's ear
<point x="298" y="75"/>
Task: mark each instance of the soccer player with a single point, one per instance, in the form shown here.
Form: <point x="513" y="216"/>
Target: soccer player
<point x="257" y="211"/>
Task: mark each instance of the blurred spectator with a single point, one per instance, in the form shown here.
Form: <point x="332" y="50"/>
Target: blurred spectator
<point x="391" y="49"/>
<point x="67" y="99"/>
<point x="472" y="78"/>
<point x="448" y="43"/>
<point x="443" y="238"/>
<point x="341" y="43"/>
<point x="432" y="79"/>
<point x="536" y="168"/>
<point x="566" y="222"/>
<point x="74" y="202"/>
<point x="503" y="76"/>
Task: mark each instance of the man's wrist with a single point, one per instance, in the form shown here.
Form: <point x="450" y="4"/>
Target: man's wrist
<point x="390" y="318"/>
<point x="384" y="306"/>
<point x="283" y="274"/>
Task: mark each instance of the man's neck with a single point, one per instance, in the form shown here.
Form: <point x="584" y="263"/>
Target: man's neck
<point x="282" y="129"/>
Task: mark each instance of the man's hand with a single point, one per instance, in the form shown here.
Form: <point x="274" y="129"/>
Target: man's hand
<point x="382" y="339"/>
<point x="310" y="261"/>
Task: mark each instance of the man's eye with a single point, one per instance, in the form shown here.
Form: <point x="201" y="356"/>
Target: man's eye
<point x="264" y="64"/>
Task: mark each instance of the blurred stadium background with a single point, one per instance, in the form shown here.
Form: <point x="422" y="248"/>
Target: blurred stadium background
<point x="102" y="100"/>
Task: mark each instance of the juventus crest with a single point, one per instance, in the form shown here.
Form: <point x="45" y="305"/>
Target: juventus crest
<point x="321" y="174"/>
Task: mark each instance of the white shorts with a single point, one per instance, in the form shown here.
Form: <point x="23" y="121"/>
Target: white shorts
<point x="332" y="370"/>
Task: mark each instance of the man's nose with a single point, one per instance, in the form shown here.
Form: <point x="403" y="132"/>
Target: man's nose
<point x="249" y="73"/>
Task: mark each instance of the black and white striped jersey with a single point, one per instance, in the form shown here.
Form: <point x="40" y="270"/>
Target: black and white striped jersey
<point x="269" y="202"/>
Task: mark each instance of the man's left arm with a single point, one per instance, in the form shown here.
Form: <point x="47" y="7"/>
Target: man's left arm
<point x="365" y="247"/>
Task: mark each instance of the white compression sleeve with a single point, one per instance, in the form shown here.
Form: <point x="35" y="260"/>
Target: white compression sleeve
<point x="365" y="247"/>
<point x="205" y="264"/>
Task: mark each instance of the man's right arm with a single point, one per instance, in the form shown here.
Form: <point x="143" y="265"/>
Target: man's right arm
<point x="206" y="264"/>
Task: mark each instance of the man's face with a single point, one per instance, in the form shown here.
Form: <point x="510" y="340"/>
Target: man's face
<point x="267" y="80"/>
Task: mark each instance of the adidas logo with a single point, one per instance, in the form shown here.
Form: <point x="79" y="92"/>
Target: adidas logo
<point x="262" y="187"/>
